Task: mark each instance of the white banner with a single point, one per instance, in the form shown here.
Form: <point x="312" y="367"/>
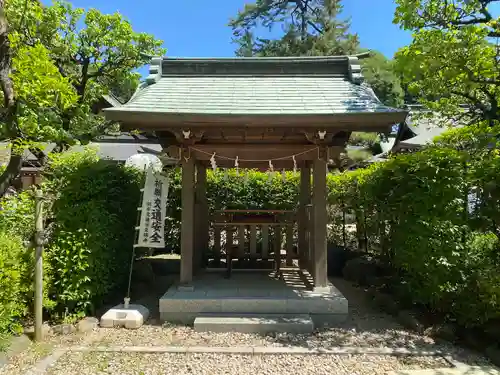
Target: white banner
<point x="154" y="209"/>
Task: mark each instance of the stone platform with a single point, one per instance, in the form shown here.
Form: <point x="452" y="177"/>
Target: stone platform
<point x="262" y="324"/>
<point x="254" y="293"/>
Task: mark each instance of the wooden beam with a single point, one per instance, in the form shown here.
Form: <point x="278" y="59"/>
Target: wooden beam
<point x="229" y="246"/>
<point x="310" y="238"/>
<point x="241" y="241"/>
<point x="254" y="152"/>
<point x="277" y="247"/>
<point x="202" y="216"/>
<point x="187" y="221"/>
<point x="217" y="243"/>
<point x="304" y="200"/>
<point x="265" y="241"/>
<point x="289" y="245"/>
<point x="253" y="241"/>
<point x="320" y="224"/>
<point x="369" y="121"/>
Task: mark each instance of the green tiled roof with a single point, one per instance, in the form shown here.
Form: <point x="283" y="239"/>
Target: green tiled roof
<point x="253" y="86"/>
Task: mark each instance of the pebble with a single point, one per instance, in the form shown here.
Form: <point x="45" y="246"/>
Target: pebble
<point x="364" y="328"/>
<point x="214" y="364"/>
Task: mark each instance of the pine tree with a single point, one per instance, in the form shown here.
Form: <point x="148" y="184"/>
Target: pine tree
<point x="310" y="27"/>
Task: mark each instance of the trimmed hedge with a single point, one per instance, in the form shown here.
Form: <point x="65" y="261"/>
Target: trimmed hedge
<point x="13" y="266"/>
<point x="91" y="210"/>
<point x="414" y="209"/>
<point x="234" y="190"/>
<point x="93" y="214"/>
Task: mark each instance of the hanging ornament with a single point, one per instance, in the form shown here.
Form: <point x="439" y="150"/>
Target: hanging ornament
<point x="270" y="176"/>
<point x="226" y="176"/>
<point x="294" y="164"/>
<point x="283" y="175"/>
<point x="236" y="165"/>
<point x="213" y="163"/>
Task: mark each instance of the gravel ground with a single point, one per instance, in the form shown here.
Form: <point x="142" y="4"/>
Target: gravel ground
<point x="364" y="328"/>
<point x="213" y="364"/>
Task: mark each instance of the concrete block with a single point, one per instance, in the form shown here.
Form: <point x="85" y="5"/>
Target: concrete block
<point x="132" y="317"/>
<point x="262" y="324"/>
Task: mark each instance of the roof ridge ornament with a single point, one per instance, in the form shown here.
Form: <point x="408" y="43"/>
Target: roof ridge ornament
<point x="154" y="70"/>
<point x="355" y="74"/>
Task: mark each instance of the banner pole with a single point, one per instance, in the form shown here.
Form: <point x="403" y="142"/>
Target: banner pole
<point x="126" y="300"/>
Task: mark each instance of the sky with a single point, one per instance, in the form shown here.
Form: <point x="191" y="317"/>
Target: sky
<point x="198" y="28"/>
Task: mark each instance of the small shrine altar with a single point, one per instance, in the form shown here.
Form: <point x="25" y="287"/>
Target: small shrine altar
<point x="266" y="113"/>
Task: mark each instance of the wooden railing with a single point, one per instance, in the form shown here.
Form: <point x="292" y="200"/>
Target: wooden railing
<point x="254" y="236"/>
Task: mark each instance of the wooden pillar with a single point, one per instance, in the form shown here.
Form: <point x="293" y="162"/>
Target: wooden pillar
<point x="241" y="241"/>
<point x="217" y="238"/>
<point x="304" y="200"/>
<point x="320" y="224"/>
<point x="289" y="245"/>
<point x="201" y="219"/>
<point x="253" y="241"/>
<point x="229" y="247"/>
<point x="277" y="247"/>
<point x="265" y="241"/>
<point x="310" y="237"/>
<point x="187" y="221"/>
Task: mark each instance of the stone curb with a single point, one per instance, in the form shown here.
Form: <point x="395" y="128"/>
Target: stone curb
<point x="258" y="350"/>
<point x="42" y="366"/>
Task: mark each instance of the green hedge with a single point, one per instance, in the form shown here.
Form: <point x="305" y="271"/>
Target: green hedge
<point x="13" y="264"/>
<point x="417" y="219"/>
<point x="91" y="208"/>
<point x="234" y="190"/>
<point x="413" y="209"/>
<point x="93" y="215"/>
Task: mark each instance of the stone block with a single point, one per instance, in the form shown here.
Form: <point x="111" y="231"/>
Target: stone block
<point x="443" y="331"/>
<point x="261" y="324"/>
<point x="329" y="320"/>
<point x="87" y="324"/>
<point x="253" y="305"/>
<point x="493" y="354"/>
<point x="197" y="305"/>
<point x="407" y="319"/>
<point x="64" y="329"/>
<point x="386" y="303"/>
<point x="132" y="317"/>
<point x="46" y="330"/>
<point x="462" y="370"/>
<point x="178" y="317"/>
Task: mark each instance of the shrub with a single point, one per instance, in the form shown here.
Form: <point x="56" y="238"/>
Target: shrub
<point x="415" y="213"/>
<point x="16" y="232"/>
<point x="13" y="267"/>
<point x="234" y="190"/>
<point x="94" y="213"/>
<point x="17" y="213"/>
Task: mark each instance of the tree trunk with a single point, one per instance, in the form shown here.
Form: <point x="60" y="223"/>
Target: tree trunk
<point x="9" y="113"/>
<point x="11" y="172"/>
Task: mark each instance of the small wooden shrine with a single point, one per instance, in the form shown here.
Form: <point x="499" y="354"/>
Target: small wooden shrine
<point x="266" y="113"/>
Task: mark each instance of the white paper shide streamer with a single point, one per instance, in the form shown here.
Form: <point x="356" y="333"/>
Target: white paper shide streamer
<point x="153" y="211"/>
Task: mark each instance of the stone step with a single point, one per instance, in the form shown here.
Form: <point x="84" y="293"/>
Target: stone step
<point x="260" y="323"/>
